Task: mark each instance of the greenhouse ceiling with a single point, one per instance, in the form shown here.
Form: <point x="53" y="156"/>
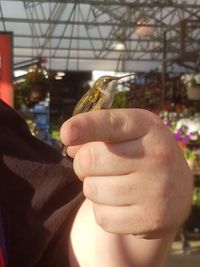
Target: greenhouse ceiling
<point x="119" y="35"/>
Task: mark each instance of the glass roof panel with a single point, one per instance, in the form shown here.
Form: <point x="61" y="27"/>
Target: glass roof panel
<point x="96" y="25"/>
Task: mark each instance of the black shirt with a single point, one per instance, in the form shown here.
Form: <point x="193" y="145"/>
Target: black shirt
<point x="39" y="196"/>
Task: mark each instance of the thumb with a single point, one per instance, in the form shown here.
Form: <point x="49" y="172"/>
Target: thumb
<point x="72" y="151"/>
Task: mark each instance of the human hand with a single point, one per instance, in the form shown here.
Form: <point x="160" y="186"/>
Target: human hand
<point x="132" y="170"/>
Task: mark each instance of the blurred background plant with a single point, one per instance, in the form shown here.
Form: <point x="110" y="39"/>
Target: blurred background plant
<point x="196" y="197"/>
<point x="185" y="126"/>
<point x="190" y="80"/>
<point x="31" y="88"/>
<point x="120" y="100"/>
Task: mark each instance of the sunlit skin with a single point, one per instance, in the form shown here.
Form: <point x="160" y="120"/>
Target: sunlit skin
<point x="137" y="184"/>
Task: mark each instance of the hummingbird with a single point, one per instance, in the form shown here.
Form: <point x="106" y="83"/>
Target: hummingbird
<point x="100" y="95"/>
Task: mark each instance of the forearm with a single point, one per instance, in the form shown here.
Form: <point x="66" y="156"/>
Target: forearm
<point x="92" y="246"/>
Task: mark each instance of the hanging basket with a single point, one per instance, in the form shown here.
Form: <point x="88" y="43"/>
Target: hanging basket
<point x="193" y="93"/>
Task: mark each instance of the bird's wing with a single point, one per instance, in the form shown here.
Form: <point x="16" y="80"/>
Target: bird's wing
<point x="89" y="101"/>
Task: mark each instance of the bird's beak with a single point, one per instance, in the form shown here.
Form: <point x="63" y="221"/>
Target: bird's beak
<point x="121" y="77"/>
<point x="114" y="81"/>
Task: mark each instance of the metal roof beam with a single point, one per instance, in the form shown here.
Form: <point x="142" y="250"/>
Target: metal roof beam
<point x="88" y="23"/>
<point x="99" y="49"/>
<point x="135" y="4"/>
<point x="96" y="58"/>
<point x="156" y="39"/>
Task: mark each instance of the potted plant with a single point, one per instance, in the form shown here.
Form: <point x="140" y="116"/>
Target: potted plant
<point x="31" y="89"/>
<point x="192" y="83"/>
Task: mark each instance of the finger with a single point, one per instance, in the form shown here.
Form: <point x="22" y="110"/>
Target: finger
<point x="119" y="190"/>
<point x="72" y="150"/>
<point x="111" y="125"/>
<point x="135" y="219"/>
<point x="98" y="158"/>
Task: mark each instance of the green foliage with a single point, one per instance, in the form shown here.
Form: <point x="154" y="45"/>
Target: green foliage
<point x="189" y="154"/>
<point x="196" y="197"/>
<point x="23" y="87"/>
<point x="120" y="100"/>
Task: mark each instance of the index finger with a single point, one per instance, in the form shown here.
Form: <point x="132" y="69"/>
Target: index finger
<point x="110" y="125"/>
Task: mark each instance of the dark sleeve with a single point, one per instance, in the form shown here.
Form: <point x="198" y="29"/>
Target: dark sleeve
<point x="39" y="196"/>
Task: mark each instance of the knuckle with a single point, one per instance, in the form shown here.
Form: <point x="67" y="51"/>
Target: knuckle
<point x="152" y="218"/>
<point x="160" y="155"/>
<point x="163" y="190"/>
<point x="89" y="189"/>
<point x="155" y="224"/>
<point x="163" y="154"/>
<point x="156" y="120"/>
<point x="157" y="221"/>
<point x="116" y="122"/>
<point x="101" y="218"/>
<point x="159" y="139"/>
<point x="84" y="161"/>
